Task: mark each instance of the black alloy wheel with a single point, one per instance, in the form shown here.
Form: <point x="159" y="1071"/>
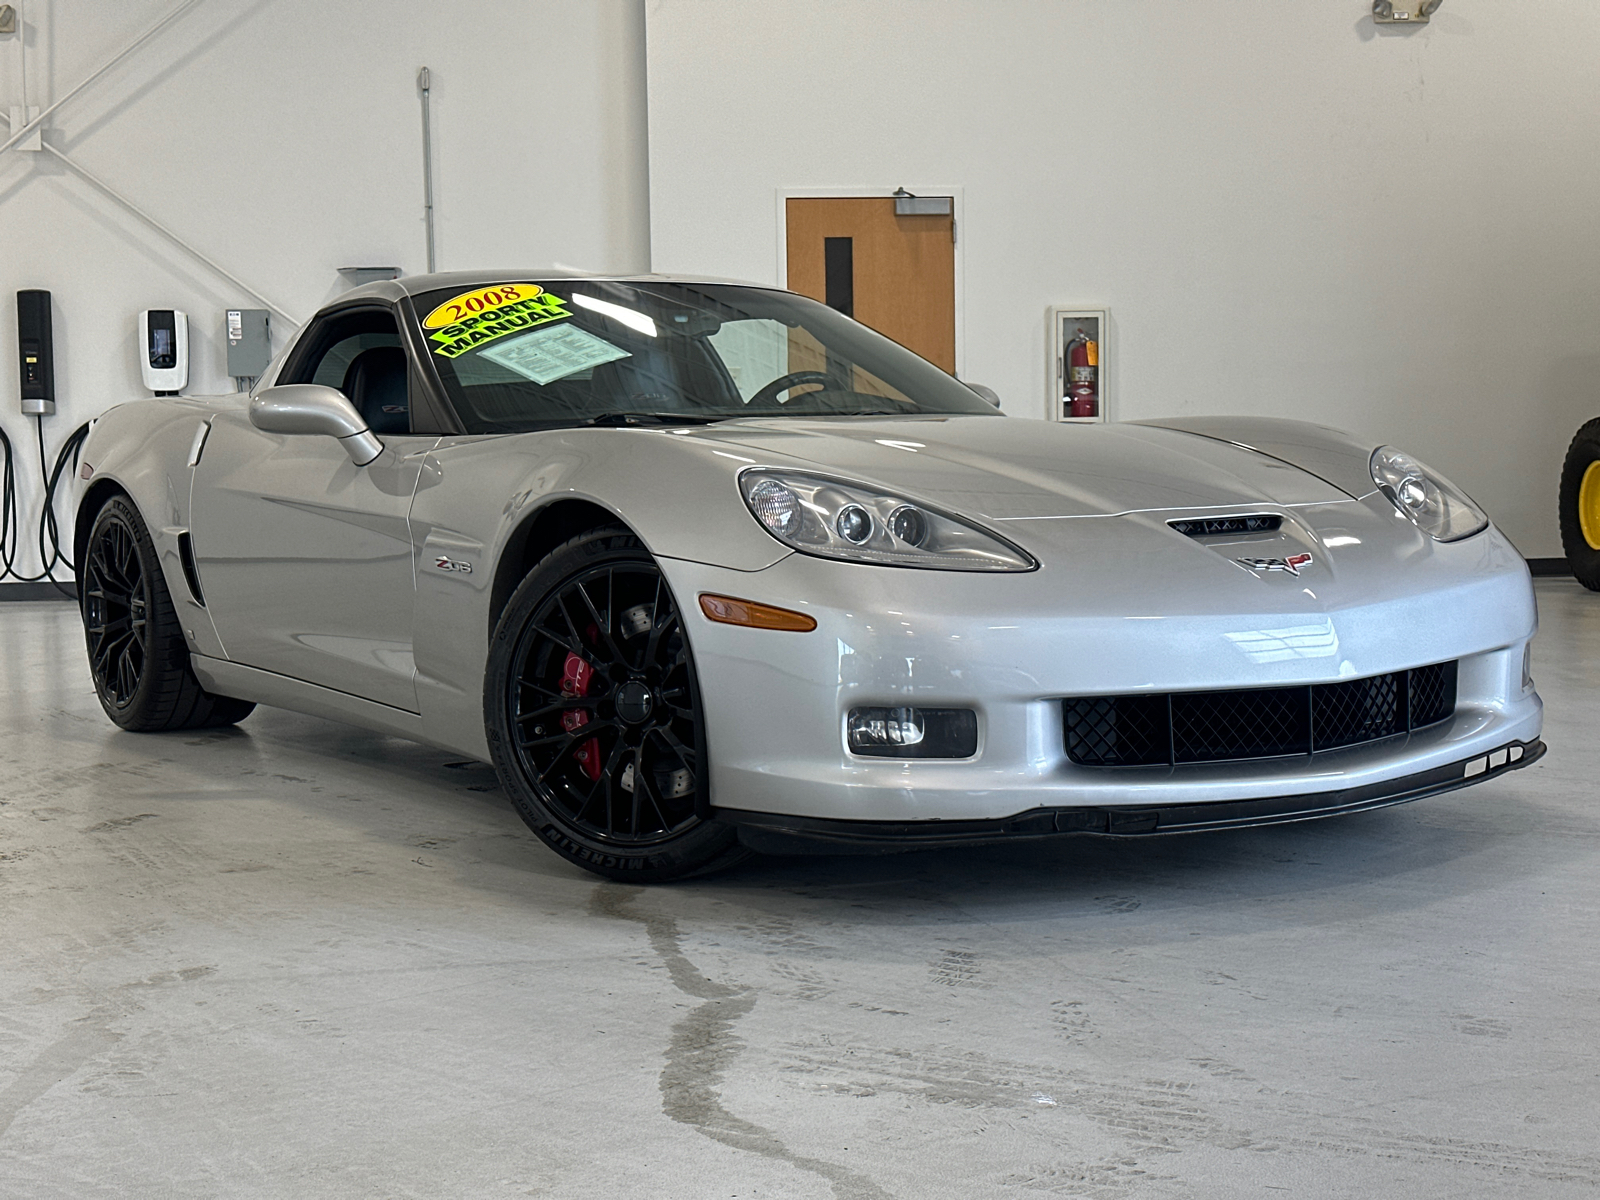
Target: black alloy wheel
<point x="594" y="719"/>
<point x="600" y="701"/>
<point x="116" y="611"/>
<point x="138" y="656"/>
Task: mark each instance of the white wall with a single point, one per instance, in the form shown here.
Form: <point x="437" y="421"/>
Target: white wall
<point x="283" y="138"/>
<point x="1288" y="211"/>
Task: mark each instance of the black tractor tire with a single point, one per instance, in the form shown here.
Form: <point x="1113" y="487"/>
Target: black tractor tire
<point x="137" y="653"/>
<point x="593" y="716"/>
<point x="1580" y="505"/>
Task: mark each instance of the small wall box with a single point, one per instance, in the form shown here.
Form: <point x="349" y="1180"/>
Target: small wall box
<point x="1078" y="370"/>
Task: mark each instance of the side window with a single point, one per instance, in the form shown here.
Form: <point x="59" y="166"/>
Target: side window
<point x="361" y="354"/>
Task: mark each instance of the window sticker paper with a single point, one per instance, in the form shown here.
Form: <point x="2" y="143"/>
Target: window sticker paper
<point x="545" y="355"/>
<point x="482" y="315"/>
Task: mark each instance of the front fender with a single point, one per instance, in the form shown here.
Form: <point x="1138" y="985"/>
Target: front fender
<point x="1330" y="454"/>
<point x="142" y="449"/>
<point x="679" y="495"/>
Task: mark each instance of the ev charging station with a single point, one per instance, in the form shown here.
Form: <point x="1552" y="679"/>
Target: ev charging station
<point x="36" y="372"/>
<point x="164" y="367"/>
<point x="164" y="339"/>
<point x="36" y="355"/>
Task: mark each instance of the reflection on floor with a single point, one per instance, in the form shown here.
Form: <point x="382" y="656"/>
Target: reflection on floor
<point x="298" y="960"/>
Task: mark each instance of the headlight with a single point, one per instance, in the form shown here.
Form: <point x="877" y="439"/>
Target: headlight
<point x="846" y="520"/>
<point x="1424" y="497"/>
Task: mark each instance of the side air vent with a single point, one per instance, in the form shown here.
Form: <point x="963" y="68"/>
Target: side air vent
<point x="1196" y="527"/>
<point x="191" y="572"/>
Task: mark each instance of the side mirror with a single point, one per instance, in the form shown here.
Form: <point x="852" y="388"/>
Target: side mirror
<point x="312" y="408"/>
<point x="988" y="393"/>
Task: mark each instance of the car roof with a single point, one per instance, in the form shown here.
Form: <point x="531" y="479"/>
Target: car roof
<point x="411" y="285"/>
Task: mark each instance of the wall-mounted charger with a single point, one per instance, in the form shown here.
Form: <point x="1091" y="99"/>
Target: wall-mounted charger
<point x="164" y="350"/>
<point x="36" y="354"/>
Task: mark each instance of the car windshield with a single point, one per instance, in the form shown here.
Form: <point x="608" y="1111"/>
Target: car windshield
<point x="522" y="356"/>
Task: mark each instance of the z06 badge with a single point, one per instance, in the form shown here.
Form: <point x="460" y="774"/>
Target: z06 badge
<point x="453" y="564"/>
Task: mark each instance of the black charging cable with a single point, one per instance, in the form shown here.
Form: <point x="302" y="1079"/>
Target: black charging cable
<point x="51" y="552"/>
<point x="9" y="524"/>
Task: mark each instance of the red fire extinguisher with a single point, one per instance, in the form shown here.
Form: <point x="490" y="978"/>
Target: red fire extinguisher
<point x="1083" y="371"/>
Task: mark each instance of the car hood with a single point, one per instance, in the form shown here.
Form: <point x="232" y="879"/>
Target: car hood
<point x="1015" y="469"/>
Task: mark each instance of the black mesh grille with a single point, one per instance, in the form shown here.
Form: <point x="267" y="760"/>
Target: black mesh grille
<point x="1191" y="727"/>
<point x="1361" y="710"/>
<point x="1433" y="694"/>
<point x="1218" y="526"/>
<point x="1110" y="731"/>
<point x="1207" y="726"/>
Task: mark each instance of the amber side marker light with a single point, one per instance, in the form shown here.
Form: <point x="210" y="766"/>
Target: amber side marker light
<point x="729" y="611"/>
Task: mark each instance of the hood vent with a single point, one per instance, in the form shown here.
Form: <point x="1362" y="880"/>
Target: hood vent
<point x="1199" y="527"/>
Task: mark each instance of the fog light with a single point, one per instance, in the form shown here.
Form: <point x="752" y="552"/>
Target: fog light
<point x="913" y="732"/>
<point x="871" y="727"/>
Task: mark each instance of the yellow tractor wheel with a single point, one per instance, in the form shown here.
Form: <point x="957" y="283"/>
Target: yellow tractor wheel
<point x="1580" y="505"/>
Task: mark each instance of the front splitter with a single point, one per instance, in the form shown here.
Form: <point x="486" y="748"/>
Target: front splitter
<point x="776" y="833"/>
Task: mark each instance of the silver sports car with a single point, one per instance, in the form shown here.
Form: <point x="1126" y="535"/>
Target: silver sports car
<point x="707" y="568"/>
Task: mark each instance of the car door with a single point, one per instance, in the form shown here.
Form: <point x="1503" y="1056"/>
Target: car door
<point x="306" y="558"/>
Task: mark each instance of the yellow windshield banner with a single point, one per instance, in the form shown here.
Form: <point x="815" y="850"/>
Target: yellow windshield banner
<point x="473" y="318"/>
<point x="479" y="300"/>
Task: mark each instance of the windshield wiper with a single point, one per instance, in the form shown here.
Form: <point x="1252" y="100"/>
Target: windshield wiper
<point x="651" y="418"/>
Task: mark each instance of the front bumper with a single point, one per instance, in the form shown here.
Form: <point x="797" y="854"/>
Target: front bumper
<point x="1011" y="647"/>
<point x="771" y="833"/>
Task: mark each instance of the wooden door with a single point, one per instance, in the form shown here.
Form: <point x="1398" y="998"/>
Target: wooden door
<point x="896" y="274"/>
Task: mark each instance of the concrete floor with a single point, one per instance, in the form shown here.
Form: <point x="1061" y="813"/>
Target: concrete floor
<point x="297" y="960"/>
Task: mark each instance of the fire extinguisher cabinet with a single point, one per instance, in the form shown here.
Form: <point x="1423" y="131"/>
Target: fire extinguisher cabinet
<point x="1077" y="370"/>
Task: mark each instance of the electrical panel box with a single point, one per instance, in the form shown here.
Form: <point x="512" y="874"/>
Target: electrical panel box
<point x="36" y="354"/>
<point x="249" y="342"/>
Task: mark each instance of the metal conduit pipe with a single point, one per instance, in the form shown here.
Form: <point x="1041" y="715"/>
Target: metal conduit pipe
<point x="424" y="81"/>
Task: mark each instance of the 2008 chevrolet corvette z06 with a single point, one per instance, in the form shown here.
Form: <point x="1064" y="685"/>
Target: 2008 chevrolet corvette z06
<point x="706" y="568"/>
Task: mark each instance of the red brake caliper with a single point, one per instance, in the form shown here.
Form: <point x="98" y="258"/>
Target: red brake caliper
<point x="576" y="677"/>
